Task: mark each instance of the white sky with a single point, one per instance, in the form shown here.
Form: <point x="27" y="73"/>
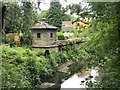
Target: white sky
<point x="46" y="4"/>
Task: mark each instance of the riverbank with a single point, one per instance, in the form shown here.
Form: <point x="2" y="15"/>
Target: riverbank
<point x="79" y="80"/>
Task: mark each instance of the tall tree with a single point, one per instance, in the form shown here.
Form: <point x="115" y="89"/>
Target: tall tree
<point x="103" y="45"/>
<point x="28" y="18"/>
<point x="78" y="9"/>
<point x="12" y="18"/>
<point x="27" y="15"/>
<point x="65" y="17"/>
<point x="42" y="15"/>
<point x="55" y="14"/>
<point x="19" y="17"/>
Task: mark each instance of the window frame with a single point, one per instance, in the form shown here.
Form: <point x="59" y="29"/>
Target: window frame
<point x="38" y="35"/>
<point x="51" y="35"/>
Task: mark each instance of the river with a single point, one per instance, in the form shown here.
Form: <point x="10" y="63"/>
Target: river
<point x="78" y="80"/>
<point x="62" y="80"/>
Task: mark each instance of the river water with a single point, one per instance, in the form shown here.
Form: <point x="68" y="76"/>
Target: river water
<point x="76" y="81"/>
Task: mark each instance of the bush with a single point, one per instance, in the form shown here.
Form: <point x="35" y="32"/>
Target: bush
<point x="29" y="66"/>
<point x="61" y="37"/>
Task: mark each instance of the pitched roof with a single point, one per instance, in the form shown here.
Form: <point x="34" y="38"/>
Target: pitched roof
<point x="66" y="25"/>
<point x="81" y="21"/>
<point x="44" y="25"/>
<point x="66" y="22"/>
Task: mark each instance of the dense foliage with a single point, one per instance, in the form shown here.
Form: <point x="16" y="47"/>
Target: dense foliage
<point x="54" y="15"/>
<point x="108" y="42"/>
<point x="23" y="67"/>
<point x="19" y="18"/>
<point x="80" y="9"/>
<point x="12" y="20"/>
<point x="101" y="47"/>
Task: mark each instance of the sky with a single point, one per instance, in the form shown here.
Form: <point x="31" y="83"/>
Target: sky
<point x="46" y="4"/>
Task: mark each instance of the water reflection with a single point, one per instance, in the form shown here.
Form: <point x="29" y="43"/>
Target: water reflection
<point x="78" y="80"/>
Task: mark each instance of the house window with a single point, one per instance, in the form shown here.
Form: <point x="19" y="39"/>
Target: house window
<point x="51" y="35"/>
<point x="38" y="35"/>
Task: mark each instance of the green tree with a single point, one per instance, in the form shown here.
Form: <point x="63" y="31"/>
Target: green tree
<point x="12" y="18"/>
<point x="102" y="46"/>
<point x="78" y="9"/>
<point x="27" y="16"/>
<point x="19" y="18"/>
<point x="28" y="19"/>
<point x="65" y="17"/>
<point x="42" y="15"/>
<point x="75" y="8"/>
<point x="55" y="14"/>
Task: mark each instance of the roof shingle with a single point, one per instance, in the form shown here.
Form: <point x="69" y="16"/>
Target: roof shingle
<point x="43" y="25"/>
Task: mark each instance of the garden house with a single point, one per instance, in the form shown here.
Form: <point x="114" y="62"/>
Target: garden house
<point x="67" y="26"/>
<point x="44" y="35"/>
